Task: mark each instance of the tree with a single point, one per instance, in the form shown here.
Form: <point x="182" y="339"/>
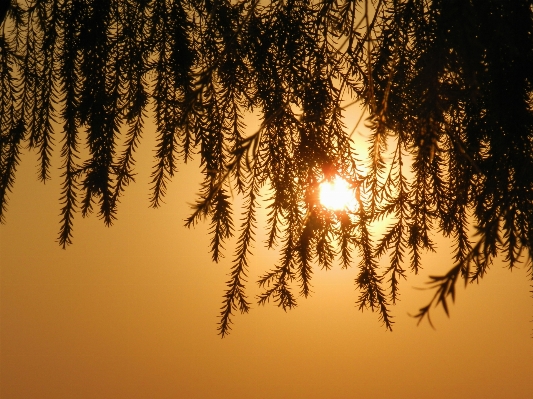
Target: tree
<point x="447" y="87"/>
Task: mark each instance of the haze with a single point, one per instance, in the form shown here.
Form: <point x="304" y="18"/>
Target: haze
<point x="131" y="311"/>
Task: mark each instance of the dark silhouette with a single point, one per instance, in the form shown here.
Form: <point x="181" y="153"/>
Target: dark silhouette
<point x="445" y="83"/>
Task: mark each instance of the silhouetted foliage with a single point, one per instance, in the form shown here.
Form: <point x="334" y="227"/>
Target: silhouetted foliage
<point x="446" y="84"/>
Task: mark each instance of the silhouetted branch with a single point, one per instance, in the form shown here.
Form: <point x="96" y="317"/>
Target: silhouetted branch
<point x="444" y="93"/>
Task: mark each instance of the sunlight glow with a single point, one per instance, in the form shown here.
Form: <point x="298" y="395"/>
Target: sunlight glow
<point x="337" y="195"/>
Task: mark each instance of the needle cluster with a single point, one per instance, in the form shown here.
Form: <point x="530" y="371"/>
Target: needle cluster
<point x="446" y="87"/>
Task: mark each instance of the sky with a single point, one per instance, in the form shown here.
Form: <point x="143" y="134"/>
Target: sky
<point x="131" y="312"/>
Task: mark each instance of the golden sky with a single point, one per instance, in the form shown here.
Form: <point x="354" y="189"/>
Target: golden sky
<point x="130" y="312"/>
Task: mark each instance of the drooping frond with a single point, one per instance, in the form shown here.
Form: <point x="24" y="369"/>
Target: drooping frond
<point x="445" y="86"/>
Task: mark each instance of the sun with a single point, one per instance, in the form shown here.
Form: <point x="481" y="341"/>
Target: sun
<point x="337" y="195"/>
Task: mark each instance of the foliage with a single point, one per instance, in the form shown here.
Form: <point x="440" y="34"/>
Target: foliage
<point x="447" y="86"/>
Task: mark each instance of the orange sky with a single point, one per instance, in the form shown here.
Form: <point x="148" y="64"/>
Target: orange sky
<point x="131" y="311"/>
